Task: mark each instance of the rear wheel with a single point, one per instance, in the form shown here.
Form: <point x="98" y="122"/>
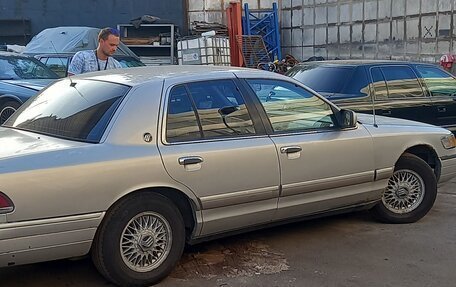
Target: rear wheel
<point x="7" y="109"/>
<point x="140" y="241"/>
<point x="410" y="194"/>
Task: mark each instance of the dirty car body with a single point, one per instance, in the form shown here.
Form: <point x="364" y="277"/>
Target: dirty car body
<point x="145" y="160"/>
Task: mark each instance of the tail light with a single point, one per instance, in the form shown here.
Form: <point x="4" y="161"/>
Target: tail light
<point x="6" y="205"/>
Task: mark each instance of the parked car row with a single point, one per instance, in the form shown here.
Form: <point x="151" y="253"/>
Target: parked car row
<point x="157" y="158"/>
<point x="414" y="91"/>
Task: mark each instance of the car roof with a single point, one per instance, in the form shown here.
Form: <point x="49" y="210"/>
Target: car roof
<point x="358" y="63"/>
<point x="139" y="75"/>
<point x="12" y="54"/>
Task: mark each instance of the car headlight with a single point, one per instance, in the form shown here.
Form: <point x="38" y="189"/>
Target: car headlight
<point x="448" y="141"/>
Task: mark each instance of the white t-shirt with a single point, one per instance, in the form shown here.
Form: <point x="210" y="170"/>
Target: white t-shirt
<point x="87" y="61"/>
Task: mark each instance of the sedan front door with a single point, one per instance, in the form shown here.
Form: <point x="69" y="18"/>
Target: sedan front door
<point x="322" y="167"/>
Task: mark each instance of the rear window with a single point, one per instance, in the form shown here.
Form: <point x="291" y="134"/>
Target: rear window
<point x="78" y="110"/>
<point x="322" y="79"/>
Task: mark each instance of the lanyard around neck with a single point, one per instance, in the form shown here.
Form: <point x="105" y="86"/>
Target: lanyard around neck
<point x="98" y="64"/>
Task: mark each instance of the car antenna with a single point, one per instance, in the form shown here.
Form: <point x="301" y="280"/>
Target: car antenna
<point x="72" y="84"/>
<point x="372" y="93"/>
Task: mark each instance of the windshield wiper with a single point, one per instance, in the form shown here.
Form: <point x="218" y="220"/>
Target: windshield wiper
<point x="5" y="78"/>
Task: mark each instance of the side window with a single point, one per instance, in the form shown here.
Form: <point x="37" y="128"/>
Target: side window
<point x="378" y="84"/>
<point x="58" y="65"/>
<point x="181" y="123"/>
<point x="43" y="60"/>
<point x="438" y="82"/>
<point x="291" y="108"/>
<point x="401" y="82"/>
<point x="221" y="109"/>
<point x="358" y="84"/>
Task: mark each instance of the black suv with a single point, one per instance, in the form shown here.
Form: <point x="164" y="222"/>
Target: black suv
<point x="415" y="91"/>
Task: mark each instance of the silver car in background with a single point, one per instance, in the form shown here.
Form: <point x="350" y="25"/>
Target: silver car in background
<point x="129" y="165"/>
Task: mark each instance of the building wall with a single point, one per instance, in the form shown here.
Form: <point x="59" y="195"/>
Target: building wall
<point x="368" y="29"/>
<point x="214" y="10"/>
<point x="101" y="13"/>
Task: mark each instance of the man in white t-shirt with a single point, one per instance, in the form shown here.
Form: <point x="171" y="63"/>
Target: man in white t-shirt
<point x="99" y="59"/>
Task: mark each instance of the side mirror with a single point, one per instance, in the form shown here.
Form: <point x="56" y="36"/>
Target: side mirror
<point x="347" y="119"/>
<point x="227" y="110"/>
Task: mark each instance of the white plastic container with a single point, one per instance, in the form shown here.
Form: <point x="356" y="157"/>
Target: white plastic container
<point x="214" y="50"/>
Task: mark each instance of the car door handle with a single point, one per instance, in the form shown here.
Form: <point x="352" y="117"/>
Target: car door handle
<point x="190" y="160"/>
<point x="290" y="149"/>
<point x="441" y="109"/>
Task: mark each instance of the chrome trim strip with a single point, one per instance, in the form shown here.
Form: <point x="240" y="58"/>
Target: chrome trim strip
<point x="447" y="157"/>
<point x="164" y="142"/>
<point x="53" y="225"/>
<point x="65" y="219"/>
<point x="384" y="173"/>
<point x="327" y="183"/>
<point x="239" y="197"/>
<point x="5" y="210"/>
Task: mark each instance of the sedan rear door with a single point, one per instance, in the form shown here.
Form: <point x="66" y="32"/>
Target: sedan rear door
<point x="213" y="143"/>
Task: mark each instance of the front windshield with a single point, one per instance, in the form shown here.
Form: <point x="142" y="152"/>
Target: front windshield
<point x="78" y="110"/>
<point x="23" y="68"/>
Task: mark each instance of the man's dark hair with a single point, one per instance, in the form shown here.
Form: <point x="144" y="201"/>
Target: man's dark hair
<point x="105" y="32"/>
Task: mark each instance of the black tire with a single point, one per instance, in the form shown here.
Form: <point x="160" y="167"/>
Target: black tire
<point x="7" y="109"/>
<point x="410" y="194"/>
<point x="113" y="263"/>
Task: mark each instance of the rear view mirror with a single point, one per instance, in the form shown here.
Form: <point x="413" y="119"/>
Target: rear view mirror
<point x="347" y="119"/>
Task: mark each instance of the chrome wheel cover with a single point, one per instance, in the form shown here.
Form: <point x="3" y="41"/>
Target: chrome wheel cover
<point x="6" y="113"/>
<point x="405" y="192"/>
<point x="145" y="242"/>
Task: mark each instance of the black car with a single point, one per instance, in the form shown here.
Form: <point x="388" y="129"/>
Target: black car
<point x="415" y="91"/>
<point x="20" y="78"/>
<point x="59" y="62"/>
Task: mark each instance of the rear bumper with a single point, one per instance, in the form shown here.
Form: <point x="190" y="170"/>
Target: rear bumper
<point x="448" y="168"/>
<point x="48" y="239"/>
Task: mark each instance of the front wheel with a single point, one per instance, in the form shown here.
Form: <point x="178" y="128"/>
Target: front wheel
<point x="410" y="194"/>
<point x="7" y="109"/>
<point x="140" y="240"/>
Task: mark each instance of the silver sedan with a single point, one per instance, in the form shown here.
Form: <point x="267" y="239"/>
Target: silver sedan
<point x="130" y="165"/>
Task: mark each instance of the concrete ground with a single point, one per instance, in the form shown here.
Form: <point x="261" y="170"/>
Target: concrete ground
<point x="348" y="250"/>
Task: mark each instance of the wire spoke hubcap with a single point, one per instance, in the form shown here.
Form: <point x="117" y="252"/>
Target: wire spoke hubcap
<point x="145" y="242"/>
<point x="6" y="113"/>
<point x="405" y="192"/>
